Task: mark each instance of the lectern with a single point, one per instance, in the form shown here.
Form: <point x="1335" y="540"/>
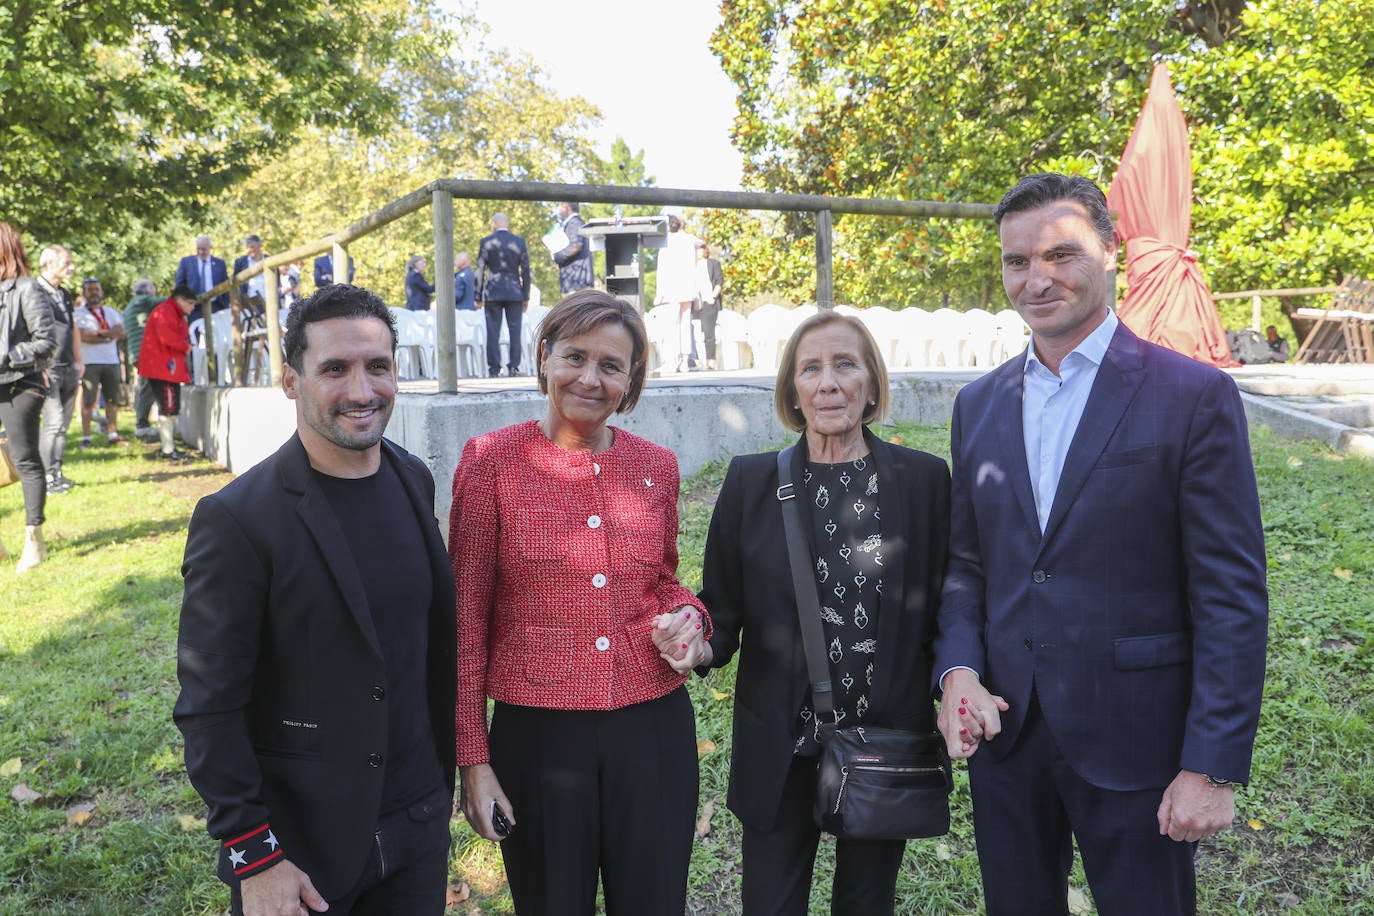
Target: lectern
<point x="624" y="241"/>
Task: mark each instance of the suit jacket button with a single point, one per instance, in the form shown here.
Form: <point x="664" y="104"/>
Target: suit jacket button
<point x="378" y="692"/>
<point x="374" y="760"/>
<point x="1039" y="575"/>
<point x="1028" y="645"/>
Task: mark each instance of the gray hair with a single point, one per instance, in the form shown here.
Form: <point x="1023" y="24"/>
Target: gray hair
<point x="145" y="287"/>
<point x="51" y="255"/>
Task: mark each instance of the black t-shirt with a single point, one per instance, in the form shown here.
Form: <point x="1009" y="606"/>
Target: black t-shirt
<point x="389" y="552"/>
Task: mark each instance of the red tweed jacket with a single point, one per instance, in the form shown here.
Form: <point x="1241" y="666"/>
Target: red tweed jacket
<point x="562" y="560"/>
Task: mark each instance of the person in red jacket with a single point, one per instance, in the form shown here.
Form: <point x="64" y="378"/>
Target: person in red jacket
<point x="162" y="360"/>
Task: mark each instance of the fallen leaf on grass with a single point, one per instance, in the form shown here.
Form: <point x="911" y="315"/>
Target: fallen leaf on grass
<point x="1078" y="903"/>
<point x="24" y="795"/>
<point x="1343" y="574"/>
<point x="705" y="746"/>
<point x="11" y="767"/>
<point x="189" y="823"/>
<point x="895" y="440"/>
<point x="80" y="815"/>
<point x="708" y="811"/>
<point x="1294" y="462"/>
<point x="718" y="695"/>
<point x="456" y="895"/>
<point x="942" y="852"/>
<point x="1341" y="644"/>
<point x="1255" y="823"/>
<point x="1289" y="899"/>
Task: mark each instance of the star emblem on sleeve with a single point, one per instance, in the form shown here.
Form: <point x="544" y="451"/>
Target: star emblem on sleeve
<point x="271" y="841"/>
<point x="236" y="857"/>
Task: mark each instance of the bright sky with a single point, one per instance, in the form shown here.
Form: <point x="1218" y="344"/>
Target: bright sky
<point x="680" y="116"/>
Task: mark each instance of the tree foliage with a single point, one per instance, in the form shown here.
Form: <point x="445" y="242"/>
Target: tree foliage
<point x="133" y="111"/>
<point x="953" y="100"/>
<point x="465" y="111"/>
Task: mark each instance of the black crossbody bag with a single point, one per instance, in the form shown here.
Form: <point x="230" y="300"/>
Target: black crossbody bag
<point x="872" y="783"/>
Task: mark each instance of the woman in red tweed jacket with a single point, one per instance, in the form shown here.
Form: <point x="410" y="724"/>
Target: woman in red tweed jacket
<point x="563" y="535"/>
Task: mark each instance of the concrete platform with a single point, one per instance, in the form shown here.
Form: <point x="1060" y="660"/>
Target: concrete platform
<point x="706" y="416"/>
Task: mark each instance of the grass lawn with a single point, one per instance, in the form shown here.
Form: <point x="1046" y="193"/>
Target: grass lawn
<point x="87" y="682"/>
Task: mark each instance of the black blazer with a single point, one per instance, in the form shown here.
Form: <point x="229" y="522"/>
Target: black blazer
<point x="747" y="589"/>
<point x="503" y="268"/>
<point x="283" y="685"/>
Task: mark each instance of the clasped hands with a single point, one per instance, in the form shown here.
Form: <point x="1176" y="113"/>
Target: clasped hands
<point x="969" y="714"/>
<point x="680" y="637"/>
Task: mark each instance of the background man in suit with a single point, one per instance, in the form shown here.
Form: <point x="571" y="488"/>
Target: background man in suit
<point x="324" y="270"/>
<point x="1104" y="615"/>
<point x="575" y="259"/>
<point x="418" y="290"/>
<point x="464" y="283"/>
<point x="503" y="289"/>
<point x="316" y="648"/>
<point x="203" y="271"/>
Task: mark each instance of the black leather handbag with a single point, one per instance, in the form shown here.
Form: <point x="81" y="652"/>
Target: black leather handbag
<point x="872" y="783"/>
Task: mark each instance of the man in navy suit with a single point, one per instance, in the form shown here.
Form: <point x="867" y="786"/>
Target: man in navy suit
<point x="252" y="294"/>
<point x="503" y="289"/>
<point x="418" y="290"/>
<point x="324" y="270"/>
<point x="1103" y="621"/>
<point x="200" y="272"/>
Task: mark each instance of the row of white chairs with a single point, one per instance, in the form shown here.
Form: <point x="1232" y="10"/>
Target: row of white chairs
<point x="908" y="338"/>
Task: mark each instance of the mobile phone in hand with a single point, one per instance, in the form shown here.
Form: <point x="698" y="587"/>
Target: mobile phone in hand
<point x="499" y="822"/>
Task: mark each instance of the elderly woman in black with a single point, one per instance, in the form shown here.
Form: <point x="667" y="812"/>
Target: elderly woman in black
<point x="878" y="527"/>
<point x="27" y="342"/>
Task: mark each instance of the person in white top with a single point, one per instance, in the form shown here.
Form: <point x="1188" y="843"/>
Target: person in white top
<point x="678" y="280"/>
<point x="101" y="330"/>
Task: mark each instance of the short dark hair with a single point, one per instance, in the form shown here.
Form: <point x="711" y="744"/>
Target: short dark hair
<point x="579" y="312"/>
<point x="573" y="205"/>
<point x="785" y="388"/>
<point x="338" y="300"/>
<point x="182" y="291"/>
<point x="1044" y="188"/>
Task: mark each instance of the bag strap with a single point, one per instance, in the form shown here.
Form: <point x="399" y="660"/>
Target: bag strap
<point x="804" y="585"/>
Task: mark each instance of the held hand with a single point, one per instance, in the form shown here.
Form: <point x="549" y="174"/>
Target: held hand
<point x="1193" y="809"/>
<point x="282" y="890"/>
<point x="678" y="636"/>
<point x="968" y="713"/>
<point x="479" y="787"/>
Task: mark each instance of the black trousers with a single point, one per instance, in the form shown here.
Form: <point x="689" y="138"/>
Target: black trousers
<point x="1028" y="807"/>
<point x="513" y="311"/>
<point x="407" y="872"/>
<point x="611" y="792"/>
<point x="21" y="408"/>
<point x="709" y="314"/>
<point x="778" y="862"/>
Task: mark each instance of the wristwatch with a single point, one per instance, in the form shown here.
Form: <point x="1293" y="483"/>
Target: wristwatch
<point x="1216" y="782"/>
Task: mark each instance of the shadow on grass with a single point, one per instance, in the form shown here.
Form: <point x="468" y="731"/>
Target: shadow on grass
<point x="84" y="544"/>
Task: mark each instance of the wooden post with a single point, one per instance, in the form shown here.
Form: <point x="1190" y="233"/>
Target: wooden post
<point x="825" y="265"/>
<point x="238" y="366"/>
<point x="273" y="319"/>
<point x="211" y="357"/>
<point x="445" y="319"/>
<point x="1255" y="314"/>
<point x="340" y="256"/>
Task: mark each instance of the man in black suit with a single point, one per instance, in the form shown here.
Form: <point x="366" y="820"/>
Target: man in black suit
<point x="253" y="294"/>
<point x="316" y="647"/>
<point x="203" y="271"/>
<point x="503" y="289"/>
<point x="1103" y="621"/>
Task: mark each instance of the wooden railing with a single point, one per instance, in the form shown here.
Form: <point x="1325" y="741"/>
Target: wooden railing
<point x="439" y="195"/>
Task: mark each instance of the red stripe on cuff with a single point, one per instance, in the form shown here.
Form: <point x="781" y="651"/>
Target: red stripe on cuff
<point x="252" y="833"/>
<point x="252" y="865"/>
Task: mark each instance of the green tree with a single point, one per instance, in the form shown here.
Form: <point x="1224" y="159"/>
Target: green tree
<point x="952" y="100"/>
<point x="130" y="111"/>
<point x="466" y="112"/>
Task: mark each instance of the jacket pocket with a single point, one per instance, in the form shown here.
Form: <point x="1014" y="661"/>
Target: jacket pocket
<point x="548" y="655"/>
<point x="1127" y="457"/>
<point x="288" y="736"/>
<point x="1136" y="652"/>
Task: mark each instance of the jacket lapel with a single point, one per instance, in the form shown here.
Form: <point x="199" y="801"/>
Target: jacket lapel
<point x="1009" y="391"/>
<point x="323" y="525"/>
<point x="1118" y="379"/>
